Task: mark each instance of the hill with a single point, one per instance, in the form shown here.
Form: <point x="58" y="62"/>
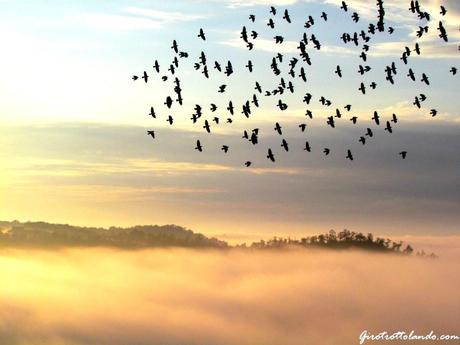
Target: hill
<point x="41" y="234"/>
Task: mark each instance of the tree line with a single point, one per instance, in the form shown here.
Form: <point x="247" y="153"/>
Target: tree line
<point x="41" y="234"/>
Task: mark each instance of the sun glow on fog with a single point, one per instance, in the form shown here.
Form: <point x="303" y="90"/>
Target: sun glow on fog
<point x="103" y="296"/>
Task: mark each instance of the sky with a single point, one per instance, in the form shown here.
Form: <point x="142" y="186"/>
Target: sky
<point x="73" y="124"/>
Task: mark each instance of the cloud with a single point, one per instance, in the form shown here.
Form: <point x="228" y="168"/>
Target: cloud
<point x="430" y="49"/>
<point x="251" y="3"/>
<point x="267" y="45"/>
<point x="172" y="297"/>
<point x="133" y="18"/>
<point x="44" y="179"/>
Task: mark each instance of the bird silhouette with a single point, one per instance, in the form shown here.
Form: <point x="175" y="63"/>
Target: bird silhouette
<point x="168" y="102"/>
<point x="278" y="128"/>
<point x="279" y="39"/>
<point x="145" y="77"/>
<point x="425" y="79"/>
<point x="198" y="146"/>
<point x="285" y="145"/>
<point x="249" y="66"/>
<point x="271" y="23"/>
<point x="206" y="126"/>
<point x="331" y="121"/>
<point x="151" y="133"/>
<point x="254" y="139"/>
<point x="376" y="118"/>
<point x="349" y="155"/>
<point x="152" y="112"/>
<point x="338" y="71"/>
<point x="202" y="35"/>
<point x="443" y="11"/>
<point x="389" y="128"/>
<point x="355" y="17"/>
<point x="270" y="155"/>
<point x="156" y="66"/>
<point x="230" y="107"/>
<point x="286" y="16"/>
<point x="403" y="154"/>
<point x="411" y="74"/>
<point x="442" y="32"/>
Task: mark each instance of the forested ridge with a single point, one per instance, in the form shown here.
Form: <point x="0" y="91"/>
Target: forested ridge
<point x="42" y="234"/>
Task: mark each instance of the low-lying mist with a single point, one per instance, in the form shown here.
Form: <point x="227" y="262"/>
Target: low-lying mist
<point x="207" y="297"/>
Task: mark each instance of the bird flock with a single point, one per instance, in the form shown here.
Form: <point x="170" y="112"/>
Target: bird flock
<point x="205" y="114"/>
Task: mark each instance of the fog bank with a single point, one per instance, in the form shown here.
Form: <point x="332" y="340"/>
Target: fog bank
<point x="175" y="297"/>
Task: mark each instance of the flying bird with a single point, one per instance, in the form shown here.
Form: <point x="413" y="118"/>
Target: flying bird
<point x="443" y="11"/>
<point x="278" y="128"/>
<point x="202" y="35"/>
<point x="270" y="155"/>
<point x="338" y="71"/>
<point x="198" y="146"/>
<point x="152" y="112"/>
<point x="389" y="128"/>
<point x="286" y="16"/>
<point x="145" y="77"/>
<point x="349" y="155"/>
<point x="376" y="118"/>
<point x="206" y="126"/>
<point x="285" y="145"/>
<point x="156" y="66"/>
